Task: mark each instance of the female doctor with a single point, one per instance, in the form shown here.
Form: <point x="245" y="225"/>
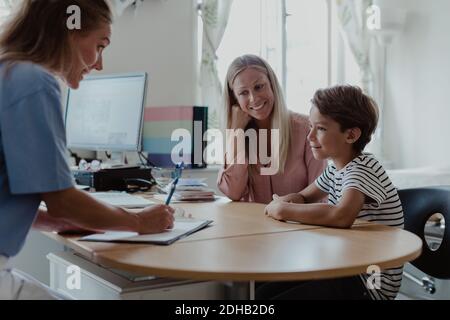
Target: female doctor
<point x="36" y="46"/>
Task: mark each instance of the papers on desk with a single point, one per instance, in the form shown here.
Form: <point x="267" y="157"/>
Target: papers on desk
<point x="182" y="228"/>
<point x="122" y="199"/>
<point x="192" y="182"/>
<point x="190" y="190"/>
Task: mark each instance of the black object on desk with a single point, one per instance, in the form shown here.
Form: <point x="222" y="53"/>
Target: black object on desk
<point x="118" y="179"/>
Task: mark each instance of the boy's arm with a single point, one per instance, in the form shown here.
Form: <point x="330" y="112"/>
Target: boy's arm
<point x="341" y="215"/>
<point x="310" y="194"/>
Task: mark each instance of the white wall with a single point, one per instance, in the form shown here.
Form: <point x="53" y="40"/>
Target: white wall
<point x="160" y="40"/>
<point x="417" y="112"/>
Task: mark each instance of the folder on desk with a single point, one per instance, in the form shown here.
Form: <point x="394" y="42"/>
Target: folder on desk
<point x="182" y="228"/>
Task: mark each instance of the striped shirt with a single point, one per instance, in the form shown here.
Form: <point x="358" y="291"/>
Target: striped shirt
<point x="365" y="174"/>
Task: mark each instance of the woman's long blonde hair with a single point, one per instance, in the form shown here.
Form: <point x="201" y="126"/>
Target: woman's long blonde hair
<point x="280" y="114"/>
<point x="38" y="32"/>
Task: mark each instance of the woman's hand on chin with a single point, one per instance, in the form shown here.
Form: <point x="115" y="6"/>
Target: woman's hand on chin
<point x="239" y="119"/>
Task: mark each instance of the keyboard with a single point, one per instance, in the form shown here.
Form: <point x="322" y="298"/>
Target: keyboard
<point x="122" y="199"/>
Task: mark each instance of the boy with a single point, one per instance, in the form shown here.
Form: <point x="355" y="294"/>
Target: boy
<point x="343" y="120"/>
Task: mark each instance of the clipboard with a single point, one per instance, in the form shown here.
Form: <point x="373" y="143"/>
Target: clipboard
<point x="183" y="227"/>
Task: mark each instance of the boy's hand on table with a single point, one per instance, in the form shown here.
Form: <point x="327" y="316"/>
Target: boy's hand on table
<point x="275" y="210"/>
<point x="292" y="198"/>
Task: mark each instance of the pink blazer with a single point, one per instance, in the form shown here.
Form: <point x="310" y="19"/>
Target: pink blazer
<point x="300" y="170"/>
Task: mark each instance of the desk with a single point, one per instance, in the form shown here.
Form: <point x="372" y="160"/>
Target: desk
<point x="245" y="245"/>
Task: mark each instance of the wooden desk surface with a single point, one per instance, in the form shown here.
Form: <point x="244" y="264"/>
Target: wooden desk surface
<point x="233" y="219"/>
<point x="230" y="219"/>
<point x="295" y="255"/>
<point x="245" y="245"/>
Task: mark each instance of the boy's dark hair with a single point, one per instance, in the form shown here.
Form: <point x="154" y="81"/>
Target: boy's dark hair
<point x="351" y="108"/>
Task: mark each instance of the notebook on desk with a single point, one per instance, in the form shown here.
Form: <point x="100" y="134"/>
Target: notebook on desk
<point x="182" y="228"/>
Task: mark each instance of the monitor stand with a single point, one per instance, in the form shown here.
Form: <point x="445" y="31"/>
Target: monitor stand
<point x="117" y="160"/>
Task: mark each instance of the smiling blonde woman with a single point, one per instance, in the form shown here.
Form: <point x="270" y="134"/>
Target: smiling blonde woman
<point x="253" y="100"/>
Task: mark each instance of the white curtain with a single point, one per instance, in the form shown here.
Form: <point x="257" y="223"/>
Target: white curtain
<point x="352" y="17"/>
<point x="5" y="4"/>
<point x="214" y="14"/>
<point x="5" y="10"/>
<point x="122" y="5"/>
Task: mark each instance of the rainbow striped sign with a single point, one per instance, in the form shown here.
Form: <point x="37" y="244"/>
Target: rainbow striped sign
<point x="160" y="122"/>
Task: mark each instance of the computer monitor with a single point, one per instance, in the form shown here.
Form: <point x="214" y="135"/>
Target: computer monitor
<point x="106" y="113"/>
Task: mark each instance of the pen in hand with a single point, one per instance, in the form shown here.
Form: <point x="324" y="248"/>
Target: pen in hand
<point x="172" y="190"/>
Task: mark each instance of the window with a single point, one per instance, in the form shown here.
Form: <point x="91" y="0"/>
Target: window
<point x="5" y="9"/>
<point x="292" y="35"/>
<point x="299" y="38"/>
<point x="254" y="27"/>
<point x="307" y="66"/>
<point x="344" y="69"/>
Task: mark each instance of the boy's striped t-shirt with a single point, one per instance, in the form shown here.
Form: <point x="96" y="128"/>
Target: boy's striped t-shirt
<point x="366" y="174"/>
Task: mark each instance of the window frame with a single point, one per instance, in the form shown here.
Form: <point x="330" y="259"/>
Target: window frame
<point x="331" y="34"/>
<point x="285" y="15"/>
<point x="337" y="51"/>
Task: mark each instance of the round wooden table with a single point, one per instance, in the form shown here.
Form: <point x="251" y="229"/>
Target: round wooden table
<point x="244" y="245"/>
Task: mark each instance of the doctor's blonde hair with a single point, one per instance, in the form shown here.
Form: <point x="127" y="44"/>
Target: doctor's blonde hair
<point x="37" y="32"/>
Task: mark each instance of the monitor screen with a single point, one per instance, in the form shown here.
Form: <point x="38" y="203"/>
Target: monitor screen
<point x="106" y="113"/>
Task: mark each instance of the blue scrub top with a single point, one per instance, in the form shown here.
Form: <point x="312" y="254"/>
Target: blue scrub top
<point x="32" y="149"/>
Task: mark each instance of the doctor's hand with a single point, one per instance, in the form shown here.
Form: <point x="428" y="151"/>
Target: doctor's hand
<point x="155" y="219"/>
<point x="239" y="119"/>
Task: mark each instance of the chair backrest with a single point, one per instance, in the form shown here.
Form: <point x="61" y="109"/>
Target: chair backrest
<point x="419" y="205"/>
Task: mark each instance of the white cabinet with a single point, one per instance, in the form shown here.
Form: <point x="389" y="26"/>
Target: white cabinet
<point x="81" y="279"/>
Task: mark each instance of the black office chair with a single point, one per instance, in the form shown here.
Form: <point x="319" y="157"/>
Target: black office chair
<point x="419" y="205"/>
